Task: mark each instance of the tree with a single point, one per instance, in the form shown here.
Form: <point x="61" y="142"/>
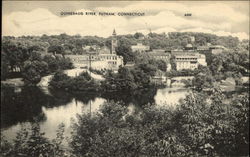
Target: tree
<point x="160" y="64"/>
<point x="173" y="63"/>
<point x="30" y="141"/>
<point x="203" y="81"/>
<point x="58" y="149"/>
<point x="16" y="53"/>
<point x="138" y="35"/>
<point x="241" y="124"/>
<point x="33" y="71"/>
<point x="83" y="82"/>
<point x="52" y="63"/>
<point x="55" y="49"/>
<point x="60" y="80"/>
<point x="35" y="56"/>
<point x="64" y="63"/>
<point x="124" y="50"/>
<point x="56" y="63"/>
<point x="4" y="67"/>
<point x="126" y="80"/>
<point x="206" y="121"/>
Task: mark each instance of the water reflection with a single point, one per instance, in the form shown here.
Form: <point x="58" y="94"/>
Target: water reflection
<point x="170" y="96"/>
<point x="22" y="106"/>
<point x="64" y="114"/>
<point x="137" y="98"/>
<point x="52" y="107"/>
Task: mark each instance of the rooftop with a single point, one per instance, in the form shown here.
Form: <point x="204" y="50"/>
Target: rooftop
<point x="189" y="45"/>
<point x="158" y="53"/>
<point x="218" y="47"/>
<point x="185" y="53"/>
<point x="139" y="45"/>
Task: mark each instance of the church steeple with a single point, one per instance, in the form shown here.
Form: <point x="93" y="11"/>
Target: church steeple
<point x="114" y="33"/>
<point x="113" y="42"/>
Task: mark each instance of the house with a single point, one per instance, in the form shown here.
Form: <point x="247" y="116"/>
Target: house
<point x="190" y="47"/>
<point x="129" y="64"/>
<point x="160" y="55"/>
<point x="88" y="48"/>
<point x="140" y="48"/>
<point x="107" y="62"/>
<point x="79" y="61"/>
<point x="202" y="48"/>
<point x="159" y="78"/>
<point x="217" y="49"/>
<point x="189" y="60"/>
<point x="201" y="58"/>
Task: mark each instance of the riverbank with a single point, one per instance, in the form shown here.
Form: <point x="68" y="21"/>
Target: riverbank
<point x="123" y="113"/>
<point x="57" y="106"/>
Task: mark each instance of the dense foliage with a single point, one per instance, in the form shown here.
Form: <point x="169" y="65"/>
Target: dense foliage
<point x="235" y="61"/>
<point x="98" y="72"/>
<point x="226" y="65"/>
<point x="137" y="77"/>
<point x="29" y="58"/>
<point x="124" y="49"/>
<point x="196" y="128"/>
<point x="83" y="82"/>
<point x="30" y="142"/>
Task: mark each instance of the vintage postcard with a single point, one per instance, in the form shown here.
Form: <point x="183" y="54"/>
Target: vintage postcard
<point x="125" y="78"/>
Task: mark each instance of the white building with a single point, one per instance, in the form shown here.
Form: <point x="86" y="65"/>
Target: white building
<point x="159" y="55"/>
<point x="79" y="61"/>
<point x="107" y="62"/>
<point x="192" y="38"/>
<point x="189" y="60"/>
<point x="217" y="49"/>
<point x="159" y="78"/>
<point x="140" y="48"/>
<point x="201" y="58"/>
<point x="102" y="59"/>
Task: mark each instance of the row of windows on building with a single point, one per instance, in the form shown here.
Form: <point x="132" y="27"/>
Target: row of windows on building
<point x="103" y="57"/>
<point x="108" y="57"/>
<point x="187" y="62"/>
<point x="78" y="60"/>
<point x="185" y="66"/>
<point x="187" y="59"/>
<point x="94" y="58"/>
<point x="112" y="63"/>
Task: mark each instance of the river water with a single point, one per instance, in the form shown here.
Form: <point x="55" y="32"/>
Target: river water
<point x="52" y="107"/>
<point x="19" y="108"/>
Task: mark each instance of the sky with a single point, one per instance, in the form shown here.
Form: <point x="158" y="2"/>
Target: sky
<point x="44" y="17"/>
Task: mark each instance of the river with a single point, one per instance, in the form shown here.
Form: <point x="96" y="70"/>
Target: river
<point x="20" y="107"/>
<point x="52" y="107"/>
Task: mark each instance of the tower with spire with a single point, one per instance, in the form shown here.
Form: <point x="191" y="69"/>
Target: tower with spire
<point x="113" y="42"/>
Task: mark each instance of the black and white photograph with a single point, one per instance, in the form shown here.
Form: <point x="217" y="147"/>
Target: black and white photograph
<point x="125" y="79"/>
